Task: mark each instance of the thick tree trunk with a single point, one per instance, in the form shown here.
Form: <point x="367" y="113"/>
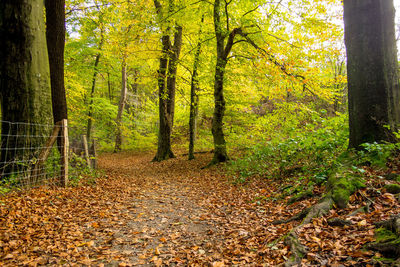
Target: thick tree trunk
<point x="220" y="154"/>
<point x="55" y="36"/>
<point x="24" y="82"/>
<point x="194" y="98"/>
<point x="372" y="71"/>
<point x="165" y="125"/>
<point x="166" y="84"/>
<point x="121" y="106"/>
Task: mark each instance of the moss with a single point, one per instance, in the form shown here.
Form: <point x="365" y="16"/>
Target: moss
<point x="384" y="260"/>
<point x="304" y="194"/>
<point x="343" y="185"/>
<point x="387" y="243"/>
<point x="392" y="177"/>
<point x="384" y="235"/>
<point x="392" y="188"/>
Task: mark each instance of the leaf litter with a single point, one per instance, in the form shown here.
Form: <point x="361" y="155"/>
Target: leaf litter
<point x="175" y="213"/>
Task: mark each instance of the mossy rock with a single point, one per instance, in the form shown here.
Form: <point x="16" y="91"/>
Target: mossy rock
<point x="387" y="243"/>
<point x="384" y="235"/>
<point x="343" y="186"/>
<point x="392" y="177"/>
<point x="392" y="188"/>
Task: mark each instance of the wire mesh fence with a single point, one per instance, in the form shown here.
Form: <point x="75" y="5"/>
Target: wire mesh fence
<point x="32" y="155"/>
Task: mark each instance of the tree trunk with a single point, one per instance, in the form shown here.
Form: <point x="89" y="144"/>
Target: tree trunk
<point x="55" y="36"/>
<point x="92" y="91"/>
<point x="121" y="106"/>
<point x="109" y="86"/>
<point x="372" y="71"/>
<point x="166" y="88"/>
<point x="194" y="98"/>
<point x="220" y="154"/>
<point x="24" y="83"/>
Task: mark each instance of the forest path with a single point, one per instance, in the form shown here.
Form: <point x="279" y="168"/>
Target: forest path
<point x="143" y="213"/>
<point x="177" y="213"/>
<point x="173" y="213"/>
<point x="163" y="222"/>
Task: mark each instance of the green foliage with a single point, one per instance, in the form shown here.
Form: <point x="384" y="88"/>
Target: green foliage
<point x="9" y="183"/>
<point x="262" y="103"/>
<point x="307" y="153"/>
<point x="81" y="173"/>
<point x="377" y="154"/>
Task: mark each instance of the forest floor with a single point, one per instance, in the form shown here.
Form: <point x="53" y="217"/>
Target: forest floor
<point x="175" y="213"/>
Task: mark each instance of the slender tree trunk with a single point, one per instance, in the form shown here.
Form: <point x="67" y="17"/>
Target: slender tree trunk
<point x="121" y="106"/>
<point x="55" y="36"/>
<point x="372" y="70"/>
<point x="194" y="98"/>
<point x="109" y="86"/>
<point x="24" y="82"/>
<point x="93" y="89"/>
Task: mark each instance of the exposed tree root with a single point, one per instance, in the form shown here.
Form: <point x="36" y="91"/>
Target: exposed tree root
<point x="292" y="240"/>
<point x="388" y="238"/>
<point x="389" y="249"/>
<point x="297" y="249"/>
<point x="342" y="183"/>
<point x="298" y="216"/>
<point x="364" y="209"/>
<point x="392" y="224"/>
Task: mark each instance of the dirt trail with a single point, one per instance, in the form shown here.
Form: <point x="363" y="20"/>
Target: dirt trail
<point x="171" y="213"/>
<point x="164" y="222"/>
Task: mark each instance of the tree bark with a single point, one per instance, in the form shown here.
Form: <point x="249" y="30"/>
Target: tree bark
<point x="109" y="86"/>
<point x="121" y="106"/>
<point x="223" y="50"/>
<point x="194" y="98"/>
<point x="372" y="71"/>
<point x="93" y="89"/>
<point x="55" y="36"/>
<point x="166" y="85"/>
<point x="24" y="82"/>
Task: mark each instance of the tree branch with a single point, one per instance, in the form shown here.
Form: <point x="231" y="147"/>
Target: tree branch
<point x="274" y="60"/>
<point x="250" y="11"/>
<point x="230" y="41"/>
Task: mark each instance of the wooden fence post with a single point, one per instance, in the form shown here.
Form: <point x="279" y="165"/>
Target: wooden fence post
<point x="86" y="148"/>
<point x="64" y="153"/>
<point x="44" y="154"/>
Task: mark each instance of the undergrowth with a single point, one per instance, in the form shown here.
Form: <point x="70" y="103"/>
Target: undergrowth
<point x="307" y="157"/>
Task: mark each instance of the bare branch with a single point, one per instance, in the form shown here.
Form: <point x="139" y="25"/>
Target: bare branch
<point x="250" y="11"/>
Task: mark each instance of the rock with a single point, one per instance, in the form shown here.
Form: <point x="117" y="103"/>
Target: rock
<point x="392" y="188"/>
<point x="392" y="177"/>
